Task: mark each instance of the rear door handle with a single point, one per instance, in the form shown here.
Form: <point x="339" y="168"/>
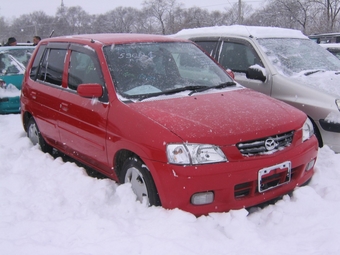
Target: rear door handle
<point x="64" y="107"/>
<point x="33" y="95"/>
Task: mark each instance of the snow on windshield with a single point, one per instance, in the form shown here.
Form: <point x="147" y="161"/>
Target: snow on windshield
<point x="305" y="61"/>
<point x="293" y="55"/>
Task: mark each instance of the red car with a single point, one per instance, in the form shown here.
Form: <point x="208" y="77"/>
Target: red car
<point x="159" y="113"/>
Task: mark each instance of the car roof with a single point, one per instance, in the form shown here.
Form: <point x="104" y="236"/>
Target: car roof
<point x="112" y="38"/>
<point x="240" y="30"/>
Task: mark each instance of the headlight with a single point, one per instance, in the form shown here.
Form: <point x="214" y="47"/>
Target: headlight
<point x="187" y="154"/>
<point x="307" y="130"/>
<point x="337" y="102"/>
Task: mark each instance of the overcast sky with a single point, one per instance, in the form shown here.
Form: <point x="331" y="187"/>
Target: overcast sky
<point x="15" y="8"/>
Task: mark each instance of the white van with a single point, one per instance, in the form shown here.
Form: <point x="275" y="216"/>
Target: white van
<point x="282" y="63"/>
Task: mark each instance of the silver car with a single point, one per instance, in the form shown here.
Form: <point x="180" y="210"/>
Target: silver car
<point x="284" y="64"/>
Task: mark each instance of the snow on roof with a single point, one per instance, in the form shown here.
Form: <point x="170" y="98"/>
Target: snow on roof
<point x="239" y="30"/>
<point x="330" y="45"/>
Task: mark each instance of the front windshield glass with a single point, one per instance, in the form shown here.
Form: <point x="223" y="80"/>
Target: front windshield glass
<point x="141" y="70"/>
<point x="292" y="56"/>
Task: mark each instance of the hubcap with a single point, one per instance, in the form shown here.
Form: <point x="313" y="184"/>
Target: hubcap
<point x="33" y="134"/>
<point x="135" y="177"/>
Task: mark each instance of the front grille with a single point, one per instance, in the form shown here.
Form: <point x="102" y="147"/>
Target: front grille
<point x="266" y="145"/>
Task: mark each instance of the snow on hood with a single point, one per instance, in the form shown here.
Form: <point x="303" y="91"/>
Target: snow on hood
<point x="323" y="81"/>
<point x="255" y="31"/>
<point x="9" y="91"/>
<point x="223" y="118"/>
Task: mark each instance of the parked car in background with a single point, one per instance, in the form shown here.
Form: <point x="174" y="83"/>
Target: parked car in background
<point x="325" y="38"/>
<point x="11" y="75"/>
<point x="158" y="113"/>
<point x="21" y="53"/>
<point x="333" y="48"/>
<point x="282" y="63"/>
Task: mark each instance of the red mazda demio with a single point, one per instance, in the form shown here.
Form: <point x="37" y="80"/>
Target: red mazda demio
<point x="160" y="114"/>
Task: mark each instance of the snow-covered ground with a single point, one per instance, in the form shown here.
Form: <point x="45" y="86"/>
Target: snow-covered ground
<point x="48" y="207"/>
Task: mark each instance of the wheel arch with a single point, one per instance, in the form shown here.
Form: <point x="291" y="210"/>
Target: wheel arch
<point x="317" y="132"/>
<point x="120" y="157"/>
<point x="25" y="117"/>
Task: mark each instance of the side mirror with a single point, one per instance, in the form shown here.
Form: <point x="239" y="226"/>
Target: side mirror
<point x="255" y="74"/>
<point x="90" y="90"/>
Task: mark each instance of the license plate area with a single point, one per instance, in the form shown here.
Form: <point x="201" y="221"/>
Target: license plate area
<point x="274" y="176"/>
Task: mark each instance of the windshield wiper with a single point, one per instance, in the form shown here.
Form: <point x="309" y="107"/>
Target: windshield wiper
<point x="194" y="88"/>
<point x="219" y="86"/>
<point x="311" y="72"/>
<point x="168" y="92"/>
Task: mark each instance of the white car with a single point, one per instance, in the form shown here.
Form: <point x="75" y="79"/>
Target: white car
<point x="282" y="63"/>
<point x="333" y="48"/>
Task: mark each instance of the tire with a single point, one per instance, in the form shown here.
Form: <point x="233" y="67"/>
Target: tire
<point x="135" y="172"/>
<point x="317" y="134"/>
<point x="34" y="135"/>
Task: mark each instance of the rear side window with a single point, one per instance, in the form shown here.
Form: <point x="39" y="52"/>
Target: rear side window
<point x="52" y="66"/>
<point x="36" y="62"/>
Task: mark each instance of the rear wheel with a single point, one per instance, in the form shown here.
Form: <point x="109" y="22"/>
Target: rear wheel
<point x="135" y="172"/>
<point x="34" y="135"/>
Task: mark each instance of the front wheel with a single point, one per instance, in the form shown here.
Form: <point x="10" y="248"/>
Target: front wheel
<point x="142" y="184"/>
<point x="34" y="135"/>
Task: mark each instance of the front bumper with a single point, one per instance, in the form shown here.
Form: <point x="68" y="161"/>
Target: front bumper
<point x="234" y="184"/>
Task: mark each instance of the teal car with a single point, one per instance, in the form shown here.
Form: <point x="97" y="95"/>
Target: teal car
<point x="13" y="60"/>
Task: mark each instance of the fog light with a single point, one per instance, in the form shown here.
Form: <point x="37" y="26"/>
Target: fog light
<point x="202" y="198"/>
<point x="310" y="165"/>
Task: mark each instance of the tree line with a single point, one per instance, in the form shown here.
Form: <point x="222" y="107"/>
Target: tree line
<point x="169" y="16"/>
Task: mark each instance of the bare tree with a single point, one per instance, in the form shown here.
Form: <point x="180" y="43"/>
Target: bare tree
<point x="330" y="8"/>
<point x="28" y="25"/>
<point x="119" y="20"/>
<point x="195" y="17"/>
<point x="73" y="20"/>
<point x="161" y="10"/>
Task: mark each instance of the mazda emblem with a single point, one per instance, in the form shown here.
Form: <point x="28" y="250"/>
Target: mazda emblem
<point x="270" y="144"/>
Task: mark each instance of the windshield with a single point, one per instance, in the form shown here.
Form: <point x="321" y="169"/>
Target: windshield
<point x="291" y="56"/>
<point x="9" y="65"/>
<point x="22" y="55"/>
<point x="141" y="70"/>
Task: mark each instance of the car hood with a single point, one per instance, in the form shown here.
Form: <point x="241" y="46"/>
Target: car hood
<point x="222" y="118"/>
<point x="323" y="81"/>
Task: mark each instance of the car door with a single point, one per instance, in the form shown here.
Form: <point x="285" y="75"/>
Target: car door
<point x="45" y="85"/>
<point x="83" y="121"/>
<point x="238" y="55"/>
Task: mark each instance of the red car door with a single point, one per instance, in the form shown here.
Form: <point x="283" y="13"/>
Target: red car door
<point x="82" y="121"/>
